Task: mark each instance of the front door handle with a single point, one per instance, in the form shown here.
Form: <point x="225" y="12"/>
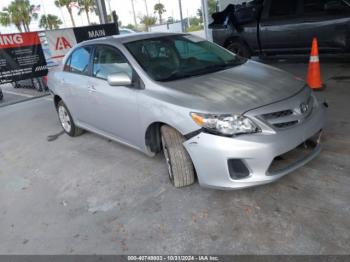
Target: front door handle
<point x="92" y="89"/>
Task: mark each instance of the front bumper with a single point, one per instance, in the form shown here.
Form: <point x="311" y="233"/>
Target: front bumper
<point x="210" y="153"/>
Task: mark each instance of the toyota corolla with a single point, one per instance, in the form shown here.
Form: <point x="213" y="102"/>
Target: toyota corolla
<point x="227" y="121"/>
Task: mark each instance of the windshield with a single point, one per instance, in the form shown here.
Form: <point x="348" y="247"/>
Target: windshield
<point x="174" y="57"/>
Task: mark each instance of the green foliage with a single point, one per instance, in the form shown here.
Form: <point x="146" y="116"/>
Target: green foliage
<point x="212" y="7"/>
<point x="195" y="21"/>
<point x="160" y="10"/>
<point x="88" y="6"/>
<point x="148" y="21"/>
<point x="50" y="22"/>
<point x="19" y="13"/>
<point x="194" y="28"/>
<point x="132" y="27"/>
<point x="67" y="5"/>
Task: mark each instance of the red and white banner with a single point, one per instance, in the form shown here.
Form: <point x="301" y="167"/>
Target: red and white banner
<point x="60" y="42"/>
<point x="19" y="40"/>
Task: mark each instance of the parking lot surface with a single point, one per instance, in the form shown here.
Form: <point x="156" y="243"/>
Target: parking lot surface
<point x="88" y="195"/>
<point x="16" y="95"/>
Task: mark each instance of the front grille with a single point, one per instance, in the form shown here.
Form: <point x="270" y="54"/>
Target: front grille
<point x="286" y="124"/>
<point x="278" y="114"/>
<point x="290" y="117"/>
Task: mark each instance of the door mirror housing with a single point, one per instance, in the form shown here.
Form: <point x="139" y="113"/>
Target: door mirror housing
<point x="120" y="79"/>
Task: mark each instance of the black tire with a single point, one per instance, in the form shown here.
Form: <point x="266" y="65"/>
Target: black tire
<point x="1" y="95"/>
<point x="73" y="131"/>
<point x="240" y="48"/>
<point x="180" y="166"/>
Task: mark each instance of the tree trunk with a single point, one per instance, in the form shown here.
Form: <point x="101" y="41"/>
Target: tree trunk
<point x="87" y="15"/>
<point x="25" y="26"/>
<point x="19" y="27"/>
<point x="71" y="15"/>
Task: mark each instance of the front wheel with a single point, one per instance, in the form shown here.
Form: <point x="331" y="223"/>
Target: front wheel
<point x="180" y="167"/>
<point x="66" y="120"/>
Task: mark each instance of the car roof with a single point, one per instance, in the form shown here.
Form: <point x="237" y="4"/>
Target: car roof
<point x="128" y="38"/>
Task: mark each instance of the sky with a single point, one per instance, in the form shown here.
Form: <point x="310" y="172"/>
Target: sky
<point x="122" y="7"/>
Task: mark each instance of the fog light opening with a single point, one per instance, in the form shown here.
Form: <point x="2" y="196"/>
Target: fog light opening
<point x="238" y="170"/>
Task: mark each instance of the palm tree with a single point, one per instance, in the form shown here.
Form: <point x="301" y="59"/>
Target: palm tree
<point x="133" y="12"/>
<point x="148" y="21"/>
<point x="160" y="10"/>
<point x="7" y="18"/>
<point x="87" y="6"/>
<point x="19" y="13"/>
<point x="28" y="12"/>
<point x="50" y="22"/>
<point x="66" y="4"/>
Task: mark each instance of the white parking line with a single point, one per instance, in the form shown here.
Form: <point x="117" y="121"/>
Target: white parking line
<point x="17" y="94"/>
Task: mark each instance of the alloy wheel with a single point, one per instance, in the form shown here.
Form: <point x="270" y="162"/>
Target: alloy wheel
<point x="65" y="119"/>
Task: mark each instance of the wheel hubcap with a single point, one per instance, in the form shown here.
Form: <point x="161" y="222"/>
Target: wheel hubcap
<point x="167" y="159"/>
<point x="65" y="119"/>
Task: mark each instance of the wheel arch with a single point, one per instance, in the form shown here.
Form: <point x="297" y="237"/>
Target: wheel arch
<point x="153" y="136"/>
<point x="56" y="100"/>
<point x="236" y="38"/>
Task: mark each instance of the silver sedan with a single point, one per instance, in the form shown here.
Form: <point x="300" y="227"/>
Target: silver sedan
<point x="230" y="122"/>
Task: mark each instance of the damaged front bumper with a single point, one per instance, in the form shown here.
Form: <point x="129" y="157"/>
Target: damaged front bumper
<point x="250" y="160"/>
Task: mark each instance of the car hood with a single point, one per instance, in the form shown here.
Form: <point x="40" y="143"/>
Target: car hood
<point x="235" y="90"/>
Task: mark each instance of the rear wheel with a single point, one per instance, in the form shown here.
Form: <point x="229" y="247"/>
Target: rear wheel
<point x="240" y="48"/>
<point x="180" y="167"/>
<point x="66" y="120"/>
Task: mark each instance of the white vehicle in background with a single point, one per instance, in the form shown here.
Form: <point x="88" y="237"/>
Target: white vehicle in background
<point x="125" y="31"/>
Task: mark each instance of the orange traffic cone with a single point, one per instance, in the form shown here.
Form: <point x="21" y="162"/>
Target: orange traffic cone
<point x="314" y="73"/>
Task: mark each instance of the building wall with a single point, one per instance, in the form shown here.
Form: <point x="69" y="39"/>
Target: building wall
<point x="224" y="3"/>
<point x="173" y="28"/>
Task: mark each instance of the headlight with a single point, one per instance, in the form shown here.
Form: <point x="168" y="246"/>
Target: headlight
<point x="227" y="125"/>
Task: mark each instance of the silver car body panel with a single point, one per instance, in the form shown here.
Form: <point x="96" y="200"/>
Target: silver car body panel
<point x="124" y="114"/>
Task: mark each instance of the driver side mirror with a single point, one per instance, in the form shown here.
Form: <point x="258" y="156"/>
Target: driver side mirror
<point x="119" y="79"/>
